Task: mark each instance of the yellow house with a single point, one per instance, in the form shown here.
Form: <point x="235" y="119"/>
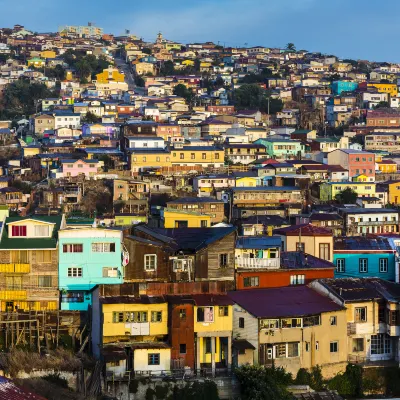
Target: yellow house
<point x="30" y="151"/>
<point x="329" y="190"/>
<point x="110" y="74"/>
<point x="198" y="155"/>
<point x="246" y="181"/>
<point x="213" y="325"/>
<point x="156" y="158"/>
<point x="314" y="240"/>
<point x="185" y="219"/>
<point x="394" y="192"/>
<point x="36" y="62"/>
<point x="132" y="333"/>
<point x="205" y="66"/>
<point x="387" y="166"/>
<point x="390" y="88"/>
<point x="188" y="63"/>
<point x="361" y="178"/>
<point x="48" y="54"/>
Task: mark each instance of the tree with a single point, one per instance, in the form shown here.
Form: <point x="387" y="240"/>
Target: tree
<point x="206" y="390"/>
<point x="146" y="50"/>
<point x="182" y="91"/>
<point x="261" y="383"/>
<point x="291" y="47"/>
<point x="91" y="118"/>
<point x="167" y="68"/>
<point x="139" y="81"/>
<point x="347" y="196"/>
<point x="382" y="104"/>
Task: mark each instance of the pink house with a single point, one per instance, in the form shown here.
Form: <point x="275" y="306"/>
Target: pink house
<point x="78" y="167"/>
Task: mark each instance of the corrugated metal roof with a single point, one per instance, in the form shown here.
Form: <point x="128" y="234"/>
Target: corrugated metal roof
<point x="10" y="391"/>
<point x="258" y="242"/>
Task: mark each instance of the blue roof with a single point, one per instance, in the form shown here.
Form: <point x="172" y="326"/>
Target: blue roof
<point x="258" y="242"/>
<point x="103" y="151"/>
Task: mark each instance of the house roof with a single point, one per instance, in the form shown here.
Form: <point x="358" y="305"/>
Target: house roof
<point x="362" y="289"/>
<point x="300" y="260"/>
<point x="190" y="200"/>
<point x="359" y="243"/>
<point x="10" y="391"/>
<point x="142" y="299"/>
<point x="290" y="301"/>
<point x="7" y="243"/>
<point x="258" y="242"/>
<point x="304" y="230"/>
<point x="189" y="239"/>
<point x="325" y="217"/>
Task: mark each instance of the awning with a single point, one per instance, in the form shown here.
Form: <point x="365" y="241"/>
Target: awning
<point x="242" y="344"/>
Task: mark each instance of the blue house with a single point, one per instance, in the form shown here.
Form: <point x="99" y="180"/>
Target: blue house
<point x="362" y="257"/>
<point x="88" y="257"/>
<point x="343" y="86"/>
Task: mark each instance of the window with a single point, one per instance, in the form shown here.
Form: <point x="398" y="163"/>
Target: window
<point x="182" y="348"/>
<point x="300" y="246"/>
<point x="333" y="347"/>
<point x="41" y="230"/>
<point x="293" y="350"/>
<point x="241" y="322"/>
<point x="313" y="320"/>
<point x="74" y="272"/>
<point x="223" y="311"/>
<point x="223" y="260"/>
<point x="158" y="159"/>
<point x="205" y="314"/>
<point x="340" y="265"/>
<point x="333" y="320"/>
<point x="19" y="230"/>
<point x="154" y="359"/>
<point x="14" y="282"/>
<point x="44" y="281"/>
<point x="80" y="165"/>
<point x="103" y="247"/>
<point x="207" y="344"/>
<point x="203" y="156"/>
<point x="192" y="156"/>
<point x="203" y="223"/>
<point x="291" y="323"/>
<point x="156" y="316"/>
<point x="358" y="344"/>
<point x="144" y="159"/>
<point x="381" y="344"/>
<point x="182" y="314"/>
<point x="324" y="251"/>
<point x="181" y="156"/>
<point x="216" y="156"/>
<point x="307" y="347"/>
<point x="43" y="256"/>
<point x="19" y="256"/>
<point x="269" y="324"/>
<point x="393" y="318"/>
<point x="251" y="281"/>
<point x="110" y="272"/>
<point x="72" y="248"/>
<point x="150" y="262"/>
<point x="317" y="345"/>
<point x="361" y="314"/>
<point x="363" y="265"/>
<point x="383" y="265"/>
<point x="297" y="279"/>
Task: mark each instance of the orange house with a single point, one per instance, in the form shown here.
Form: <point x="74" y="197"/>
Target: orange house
<point x="296" y="268"/>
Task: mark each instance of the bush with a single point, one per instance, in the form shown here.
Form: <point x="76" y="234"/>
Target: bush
<point x="161" y="391"/>
<point x="150" y="394"/>
<point x="350" y="383"/>
<point x="57" y="380"/>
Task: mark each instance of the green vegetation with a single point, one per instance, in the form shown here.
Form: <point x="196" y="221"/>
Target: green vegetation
<point x="260" y="383"/>
<point x="90" y="118"/>
<point x="22" y="97"/>
<point x="87" y="66"/>
<point x="182" y="91"/>
<point x="347" y="196"/>
<point x="253" y="97"/>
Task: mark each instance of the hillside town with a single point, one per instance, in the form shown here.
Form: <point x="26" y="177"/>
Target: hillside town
<point x="244" y="202"/>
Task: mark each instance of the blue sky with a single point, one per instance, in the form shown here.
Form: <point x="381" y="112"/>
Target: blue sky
<point x="358" y="29"/>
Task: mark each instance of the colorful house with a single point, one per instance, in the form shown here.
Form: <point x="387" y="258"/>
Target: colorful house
<point x="36" y="62"/>
<point x="282" y="148"/>
<point x="173" y="218"/>
<point x="129" y="333"/>
<point x="88" y="257"/>
<point x="71" y="168"/>
<point x="343" y="86"/>
<point x="387" y="166"/>
<point x="29" y="263"/>
<point x="329" y="190"/>
<point x="362" y="257"/>
<point x="110" y="74"/>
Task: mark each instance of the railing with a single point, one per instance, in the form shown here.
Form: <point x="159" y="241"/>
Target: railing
<point x="272" y="263"/>
<point x="385" y="359"/>
<point x="15" y="267"/>
<point x="376" y="223"/>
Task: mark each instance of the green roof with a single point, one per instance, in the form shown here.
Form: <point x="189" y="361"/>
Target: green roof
<point x="27" y="243"/>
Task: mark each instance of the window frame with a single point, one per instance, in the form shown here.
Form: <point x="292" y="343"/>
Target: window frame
<point x="153" y="358"/>
<point x="385" y="267"/>
<point x="334" y="347"/>
<point x="363" y="265"/>
<point x="342" y="268"/>
<point x="149" y="268"/>
<point x="358" y="311"/>
<point x="75" y="272"/>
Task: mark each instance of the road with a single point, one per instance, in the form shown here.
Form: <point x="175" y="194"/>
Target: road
<point x="129" y="79"/>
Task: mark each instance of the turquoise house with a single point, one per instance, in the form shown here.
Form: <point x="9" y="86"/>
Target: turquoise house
<point x="343" y="86"/>
<point x="282" y="148"/>
<point x="362" y="257"/>
<point x="87" y="257"/>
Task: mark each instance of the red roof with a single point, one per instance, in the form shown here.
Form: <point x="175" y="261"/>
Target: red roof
<point x="304" y="230"/>
<point x="10" y="391"/>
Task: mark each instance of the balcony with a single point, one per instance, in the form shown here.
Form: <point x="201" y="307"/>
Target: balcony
<point x="17" y="268"/>
<point x="13" y="295"/>
<point x="268" y="263"/>
<point x="375" y="223"/>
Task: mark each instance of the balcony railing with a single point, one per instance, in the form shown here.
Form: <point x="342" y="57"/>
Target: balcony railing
<point x="272" y="263"/>
<point x="21" y="268"/>
<point x="376" y="223"/>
